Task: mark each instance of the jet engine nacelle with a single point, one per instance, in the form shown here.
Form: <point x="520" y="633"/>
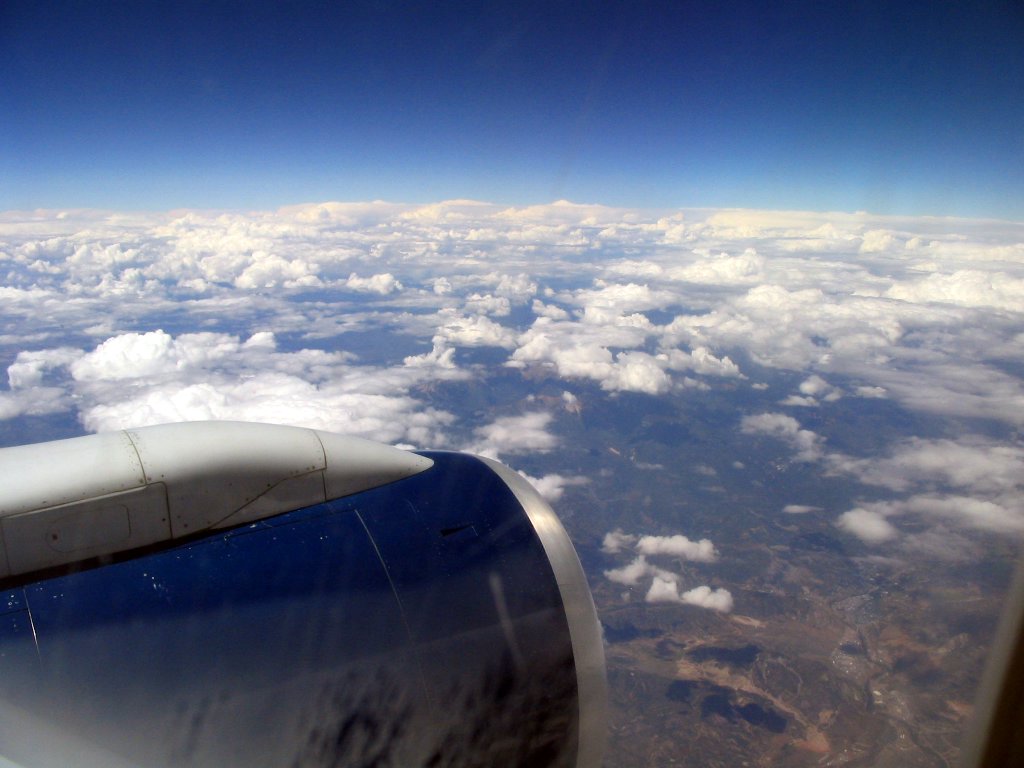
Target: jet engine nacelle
<point x="228" y="594"/>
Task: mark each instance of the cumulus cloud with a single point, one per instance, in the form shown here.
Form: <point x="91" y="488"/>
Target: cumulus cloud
<point x="615" y="541"/>
<point x="382" y="284"/>
<point x="515" y="434"/>
<point x="918" y="324"/>
<point x="915" y="314"/>
<point x="632" y="573"/>
<point x="135" y="379"/>
<point x="582" y="350"/>
<point x="815" y="386"/>
<point x="663" y="591"/>
<point x="812" y="390"/>
<point x="636" y="372"/>
<point x="268" y="270"/>
<point x="664" y="585"/>
<point x="868" y="525"/>
<point x="971" y="463"/>
<point x="877" y="241"/>
<point x="986" y="514"/>
<point x="678" y="546"/>
<point x="552" y="486"/>
<point x="496" y="306"/>
<point x="965" y="288"/>
<point x="37" y="401"/>
<point x="807" y="444"/>
<point x="944" y="387"/>
<point x="550" y="311"/>
<point x="667" y="591"/>
<point x="722" y="269"/>
<point x="701" y="360"/>
<point x="620" y="298"/>
<point x="276" y="398"/>
<point x="29" y="367"/>
<point x="943" y="484"/>
<point x="473" y="331"/>
<point x="136" y="355"/>
<point x="519" y="287"/>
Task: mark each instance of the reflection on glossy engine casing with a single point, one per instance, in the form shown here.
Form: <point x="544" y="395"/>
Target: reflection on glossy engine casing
<point x="440" y="620"/>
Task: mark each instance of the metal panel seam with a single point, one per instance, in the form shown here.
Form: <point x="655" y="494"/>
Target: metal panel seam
<point x="401" y="610"/>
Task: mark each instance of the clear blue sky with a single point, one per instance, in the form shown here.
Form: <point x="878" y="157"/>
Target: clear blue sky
<point x="889" y="107"/>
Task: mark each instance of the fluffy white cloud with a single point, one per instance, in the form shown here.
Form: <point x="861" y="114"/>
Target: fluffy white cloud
<point x="923" y="313"/>
<point x="678" y="546"/>
<point x="664" y="586"/>
<point x="701" y="360"/>
<point x="519" y="287"/>
<point x="156" y="353"/>
<point x="135" y="379"/>
<point x="636" y="372"/>
<point x="619" y="298"/>
<point x="913" y="309"/>
<point x="474" y="331"/>
<point x="807" y="444"/>
<point x="515" y="434"/>
<point x="550" y="311"/>
<point x="29" y="368"/>
<point x="553" y="485"/>
<point x="969" y="483"/>
<point x="383" y="283"/>
<point x="991" y="515"/>
<point x="37" y="401"/>
<point x="722" y="269"/>
<point x="868" y="525"/>
<point x="667" y="591"/>
<point x="815" y="386"/>
<point x="497" y="306"/>
<point x="971" y="463"/>
<point x="944" y="387"/>
<point x="581" y="350"/>
<point x="615" y="541"/>
<point x="633" y="572"/>
<point x="965" y="288"/>
<point x="662" y="591"/>
<point x="268" y="270"/>
<point x="705" y="597"/>
<point x="276" y="398"/>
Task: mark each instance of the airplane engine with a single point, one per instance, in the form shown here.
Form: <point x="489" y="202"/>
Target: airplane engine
<point x="233" y="594"/>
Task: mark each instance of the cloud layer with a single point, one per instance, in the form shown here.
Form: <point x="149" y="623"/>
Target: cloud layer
<point x="352" y="316"/>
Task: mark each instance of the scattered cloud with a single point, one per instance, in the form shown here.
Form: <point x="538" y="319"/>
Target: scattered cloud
<point x="807" y="444"/>
<point x="909" y="309"/>
<point x="678" y="546"/>
<point x="972" y="463"/>
<point x="616" y="541"/>
<point x="664" y="584"/>
<point x="637" y="569"/>
<point x="136" y="379"/>
<point x="126" y="319"/>
<point x="667" y="591"/>
<point x="553" y="485"/>
<point x="867" y="525"/>
<point x="382" y="284"/>
<point x="515" y="434"/>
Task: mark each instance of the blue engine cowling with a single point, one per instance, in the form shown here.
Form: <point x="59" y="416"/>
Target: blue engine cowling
<point x="438" y="620"/>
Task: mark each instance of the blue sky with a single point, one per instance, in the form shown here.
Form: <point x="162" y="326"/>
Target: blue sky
<point x="891" y="108"/>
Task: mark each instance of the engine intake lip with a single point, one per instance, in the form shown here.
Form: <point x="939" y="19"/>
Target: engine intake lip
<point x="580" y="612"/>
